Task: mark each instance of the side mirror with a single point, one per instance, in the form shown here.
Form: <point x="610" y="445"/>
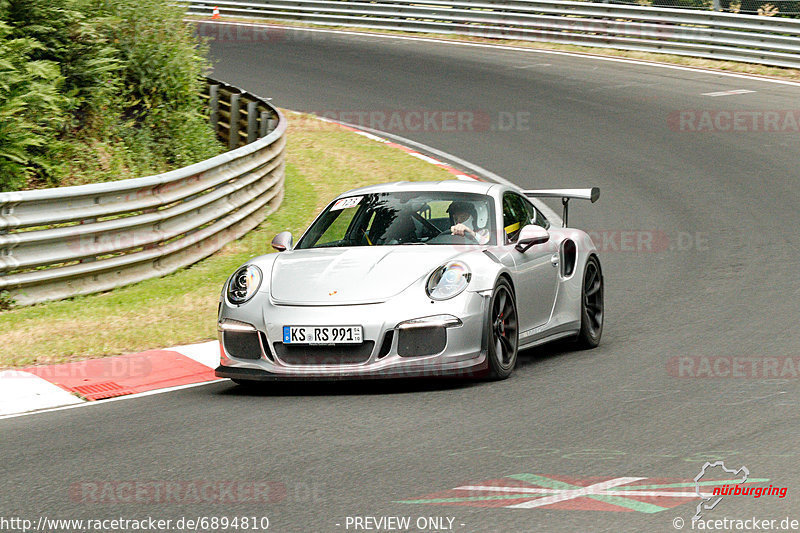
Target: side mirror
<point x="531" y="235"/>
<point x="282" y="241"/>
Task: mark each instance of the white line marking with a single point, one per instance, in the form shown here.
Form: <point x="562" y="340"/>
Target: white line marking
<point x="18" y="388"/>
<point x="519" y="49"/>
<point x="425" y="158"/>
<point x="604" y="492"/>
<point x="116" y="399"/>
<point x="729" y="93"/>
<point x="534" y="65"/>
<point x="371" y="136"/>
<point x="596" y="488"/>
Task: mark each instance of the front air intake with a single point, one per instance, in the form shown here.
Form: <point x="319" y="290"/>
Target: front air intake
<point x="242" y="344"/>
<point x="421" y="341"/>
<point x="386" y="347"/>
<point x="323" y="354"/>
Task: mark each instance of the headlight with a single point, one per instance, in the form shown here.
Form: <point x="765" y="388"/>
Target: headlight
<point x="448" y="280"/>
<point x="244" y="284"/>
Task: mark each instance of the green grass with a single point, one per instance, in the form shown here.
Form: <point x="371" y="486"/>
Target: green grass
<point x="712" y="64"/>
<point x="323" y="160"/>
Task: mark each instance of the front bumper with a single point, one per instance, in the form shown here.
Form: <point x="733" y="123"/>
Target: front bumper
<point x="463" y="355"/>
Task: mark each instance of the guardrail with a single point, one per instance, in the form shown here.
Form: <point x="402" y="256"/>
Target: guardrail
<point x="56" y="243"/>
<point x="766" y="40"/>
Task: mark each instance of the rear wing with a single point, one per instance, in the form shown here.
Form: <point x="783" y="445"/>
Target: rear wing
<point x="566" y="195"/>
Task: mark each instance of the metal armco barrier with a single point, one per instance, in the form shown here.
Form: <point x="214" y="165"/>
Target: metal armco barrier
<point x="56" y="243"/>
<point x="771" y="41"/>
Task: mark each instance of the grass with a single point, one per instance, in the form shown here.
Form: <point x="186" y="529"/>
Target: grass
<point x="323" y="160"/>
<point x="696" y="62"/>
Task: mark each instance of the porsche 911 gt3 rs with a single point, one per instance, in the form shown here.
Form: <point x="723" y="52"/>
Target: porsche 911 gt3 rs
<point x="446" y="278"/>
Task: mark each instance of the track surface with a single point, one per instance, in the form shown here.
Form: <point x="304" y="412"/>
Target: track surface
<point x="611" y="412"/>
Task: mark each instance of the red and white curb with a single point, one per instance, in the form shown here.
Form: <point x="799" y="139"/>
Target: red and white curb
<point x="49" y="386"/>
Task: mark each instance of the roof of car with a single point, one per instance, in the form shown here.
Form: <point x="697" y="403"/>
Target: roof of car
<point x="456" y="185"/>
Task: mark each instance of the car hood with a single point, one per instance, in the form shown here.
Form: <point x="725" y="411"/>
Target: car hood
<point x="357" y="275"/>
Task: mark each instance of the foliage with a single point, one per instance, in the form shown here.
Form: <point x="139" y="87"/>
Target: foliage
<point x="94" y="91"/>
<point x="30" y="105"/>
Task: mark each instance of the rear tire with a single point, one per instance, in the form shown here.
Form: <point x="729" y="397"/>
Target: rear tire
<point x="592" y="310"/>
<point x="503" y="331"/>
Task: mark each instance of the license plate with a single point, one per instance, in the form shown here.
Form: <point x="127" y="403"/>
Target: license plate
<point x="322" y="335"/>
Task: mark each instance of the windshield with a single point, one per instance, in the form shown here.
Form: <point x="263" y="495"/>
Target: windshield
<point x="408" y="217"/>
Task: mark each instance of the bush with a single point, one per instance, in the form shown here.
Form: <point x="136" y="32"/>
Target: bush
<point x="162" y="76"/>
<point x="95" y="91"/>
<point x="31" y="109"/>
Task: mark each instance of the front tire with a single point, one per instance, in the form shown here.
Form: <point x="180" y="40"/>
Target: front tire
<point x="592" y="306"/>
<point x="503" y="331"/>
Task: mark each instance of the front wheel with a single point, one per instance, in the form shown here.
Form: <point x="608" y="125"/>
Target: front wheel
<point x="503" y="331"/>
<point x="591" y="305"/>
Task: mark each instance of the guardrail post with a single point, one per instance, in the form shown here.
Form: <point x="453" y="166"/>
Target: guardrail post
<point x="5" y="211"/>
<point x="4" y="231"/>
<point x="272" y="123"/>
<point x="262" y="120"/>
<point x="233" y="134"/>
<point x="252" y="122"/>
<point x="213" y="104"/>
<point x="94" y="238"/>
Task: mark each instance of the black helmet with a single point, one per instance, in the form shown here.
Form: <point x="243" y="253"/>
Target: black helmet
<point x="462" y="207"/>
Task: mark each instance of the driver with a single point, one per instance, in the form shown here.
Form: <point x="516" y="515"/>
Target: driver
<point x="462" y="216"/>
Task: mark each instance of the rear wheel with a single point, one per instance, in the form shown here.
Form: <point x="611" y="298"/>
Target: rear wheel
<point x="503" y="331"/>
<point x="592" y="312"/>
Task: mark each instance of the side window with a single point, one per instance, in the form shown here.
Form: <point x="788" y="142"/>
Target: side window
<point x="515" y="216"/>
<point x="534" y="215"/>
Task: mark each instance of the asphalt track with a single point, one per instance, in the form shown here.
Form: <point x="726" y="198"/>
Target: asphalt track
<point x="616" y="411"/>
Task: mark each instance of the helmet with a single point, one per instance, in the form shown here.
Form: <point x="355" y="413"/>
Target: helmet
<point x="462" y="207"/>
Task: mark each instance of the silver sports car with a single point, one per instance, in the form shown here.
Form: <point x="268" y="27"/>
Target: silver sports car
<point x="445" y="278"/>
